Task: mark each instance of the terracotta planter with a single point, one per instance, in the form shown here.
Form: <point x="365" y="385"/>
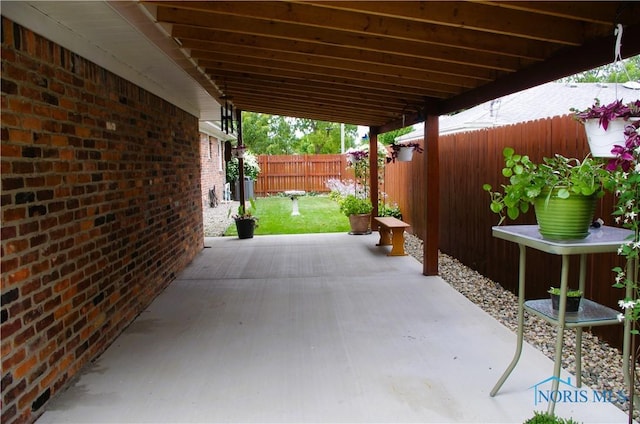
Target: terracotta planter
<point x="360" y="223"/>
<point x="564" y="219"/>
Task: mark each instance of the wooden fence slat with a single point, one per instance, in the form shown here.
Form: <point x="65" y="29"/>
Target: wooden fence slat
<point x="299" y="172"/>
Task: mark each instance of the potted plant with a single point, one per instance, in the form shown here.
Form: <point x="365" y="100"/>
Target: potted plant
<point x="403" y="152"/>
<point x="604" y="124"/>
<point x="558" y="182"/>
<point x="358" y="210"/>
<point x="246" y="222"/>
<point x="393" y="210"/>
<point x="546" y="418"/>
<point x="573" y="299"/>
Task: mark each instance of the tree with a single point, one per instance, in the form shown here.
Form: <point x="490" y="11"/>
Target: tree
<point x="388" y="137"/>
<point x="273" y="135"/>
<point x="323" y="137"/>
<point x="267" y="134"/>
<point x="623" y="71"/>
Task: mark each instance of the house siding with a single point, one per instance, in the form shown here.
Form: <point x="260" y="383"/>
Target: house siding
<point x="101" y="208"/>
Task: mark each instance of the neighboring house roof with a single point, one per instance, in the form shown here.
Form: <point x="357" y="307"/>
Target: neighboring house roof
<point x="543" y="101"/>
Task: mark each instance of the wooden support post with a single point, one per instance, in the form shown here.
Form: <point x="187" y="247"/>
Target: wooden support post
<point x="240" y="161"/>
<point x="373" y="173"/>
<point x="431" y="179"/>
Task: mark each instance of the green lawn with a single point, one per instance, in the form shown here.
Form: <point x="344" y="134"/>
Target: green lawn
<point x="318" y="214"/>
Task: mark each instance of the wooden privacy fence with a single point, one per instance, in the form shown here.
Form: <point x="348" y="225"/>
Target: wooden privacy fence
<point x="299" y="172"/>
<point x="470" y="159"/>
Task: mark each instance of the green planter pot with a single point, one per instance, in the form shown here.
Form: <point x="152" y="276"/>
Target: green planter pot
<point x="564" y="219"/>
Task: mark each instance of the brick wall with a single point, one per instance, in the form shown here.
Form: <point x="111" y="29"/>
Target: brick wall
<point x="101" y="207"/>
<point x="212" y="167"/>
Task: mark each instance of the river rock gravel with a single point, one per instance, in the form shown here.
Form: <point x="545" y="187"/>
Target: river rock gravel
<point x="602" y="363"/>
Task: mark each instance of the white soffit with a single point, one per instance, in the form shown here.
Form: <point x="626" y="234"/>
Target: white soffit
<point x="127" y="46"/>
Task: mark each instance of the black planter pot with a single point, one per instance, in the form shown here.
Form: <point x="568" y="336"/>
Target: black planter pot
<point x="245" y="228"/>
<point x="573" y="303"/>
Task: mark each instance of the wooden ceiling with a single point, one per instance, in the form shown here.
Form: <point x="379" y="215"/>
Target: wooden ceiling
<point x="387" y="63"/>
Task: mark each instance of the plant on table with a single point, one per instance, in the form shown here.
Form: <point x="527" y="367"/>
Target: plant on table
<point x="570" y="293"/>
<point x="529" y="180"/>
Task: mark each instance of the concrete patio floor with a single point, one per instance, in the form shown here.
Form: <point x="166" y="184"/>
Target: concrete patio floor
<point x="311" y="328"/>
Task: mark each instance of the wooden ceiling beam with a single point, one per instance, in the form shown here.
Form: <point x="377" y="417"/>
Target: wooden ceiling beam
<point x="486" y="17"/>
<point x="375" y="63"/>
<point x="219" y="41"/>
<point x="382" y="45"/>
<point x="347" y="86"/>
<point x="341" y="67"/>
<point x="596" y="12"/>
<point x="347" y="90"/>
<point x="248" y="93"/>
<point x="355" y="117"/>
<point x="342" y="77"/>
<point x="248" y="86"/>
<point x="300" y="100"/>
<point x="364" y="24"/>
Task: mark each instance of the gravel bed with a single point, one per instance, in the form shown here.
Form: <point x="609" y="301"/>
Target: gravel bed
<point x="217" y="220"/>
<point x="602" y="364"/>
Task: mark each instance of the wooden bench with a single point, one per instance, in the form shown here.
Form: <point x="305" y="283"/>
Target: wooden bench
<point x="391" y="233"/>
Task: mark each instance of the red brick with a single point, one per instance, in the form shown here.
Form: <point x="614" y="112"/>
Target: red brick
<point x="23" y="167"/>
<point x="27" y="397"/>
<point x="18" y="276"/>
<point x="16" y="135"/>
<point x="10" y="327"/>
<point x="9" y="264"/>
<point x="10" y="150"/>
<point x="14" y="214"/>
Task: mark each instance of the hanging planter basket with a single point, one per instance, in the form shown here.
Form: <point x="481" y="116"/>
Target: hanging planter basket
<point x="601" y="141"/>
<point x="405" y="154"/>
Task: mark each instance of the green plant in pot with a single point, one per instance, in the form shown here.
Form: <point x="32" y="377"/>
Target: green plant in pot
<point x="573" y="299"/>
<point x="246" y="221"/>
<point x="358" y="210"/>
<point x="569" y="184"/>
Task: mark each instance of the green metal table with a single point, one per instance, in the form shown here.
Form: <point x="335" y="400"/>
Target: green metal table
<point x="601" y="240"/>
